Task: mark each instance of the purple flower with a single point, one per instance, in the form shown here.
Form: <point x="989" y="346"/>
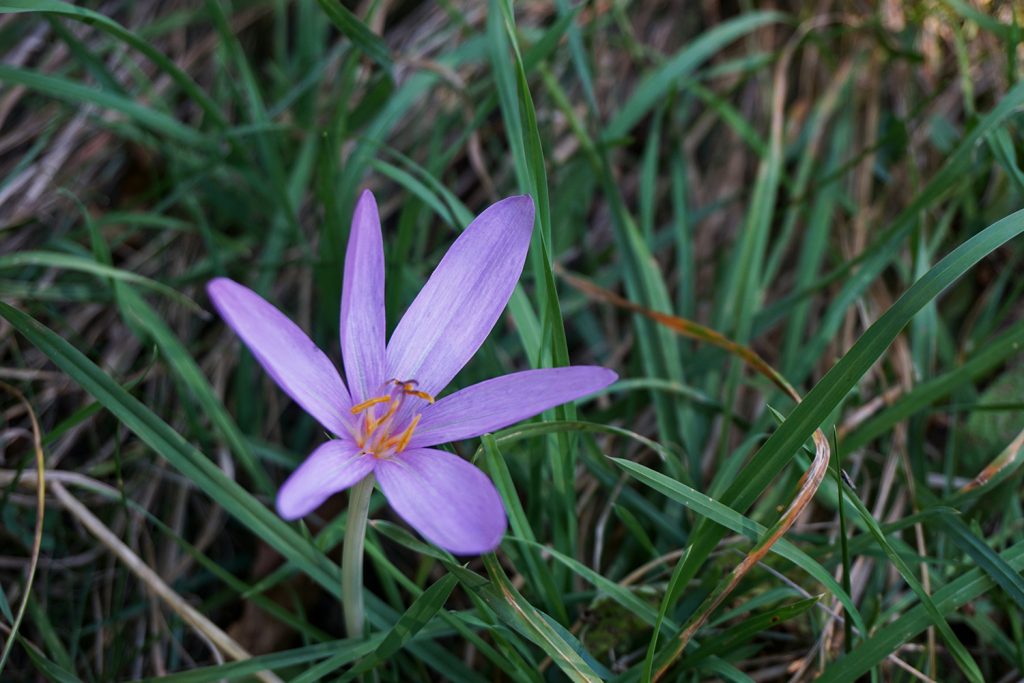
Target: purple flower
<point x="387" y="417"/>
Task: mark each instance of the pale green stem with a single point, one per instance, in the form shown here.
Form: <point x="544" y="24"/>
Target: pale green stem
<point x="352" y="557"/>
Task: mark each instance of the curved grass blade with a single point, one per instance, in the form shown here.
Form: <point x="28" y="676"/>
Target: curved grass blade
<point x="163" y="439"/>
<point x="231" y="671"/>
<point x="543" y="428"/>
<point x="525" y="619"/>
<point x="53" y="259"/>
<point x="960" y="654"/>
<point x="925" y="394"/>
<point x="54" y="672"/>
<point x="747" y="629"/>
<point x="616" y="592"/>
<point x="104" y="23"/>
<point x="75" y="94"/>
<point x="825" y="397"/>
<point x="520" y="115"/>
<point x="986" y="558"/>
<point x="730" y="519"/>
<point x="358" y="32"/>
<point x="184" y="366"/>
<point x="810" y="413"/>
<point x="419" y="614"/>
<point x="656" y="85"/>
<point x="37" y="537"/>
<point x="809" y="485"/>
<point x="996" y="471"/>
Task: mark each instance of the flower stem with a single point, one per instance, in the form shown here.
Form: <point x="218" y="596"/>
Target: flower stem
<point x="352" y="557"/>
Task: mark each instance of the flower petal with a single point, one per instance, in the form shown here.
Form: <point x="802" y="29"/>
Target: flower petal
<point x="448" y="500"/>
<point x="362" y="302"/>
<point x="285" y="352"/>
<point x="502" y="401"/>
<point x="332" y="467"/>
<point x="459" y="304"/>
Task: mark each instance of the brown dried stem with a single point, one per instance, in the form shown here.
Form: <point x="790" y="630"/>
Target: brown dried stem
<point x="37" y="536"/>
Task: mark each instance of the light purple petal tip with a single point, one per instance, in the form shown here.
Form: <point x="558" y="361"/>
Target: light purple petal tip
<point x="465" y="295"/>
<point x="505" y="400"/>
<point x="448" y="500"/>
<point x="332" y="467"/>
<point x="362" y="302"/>
<point x="285" y="352"/>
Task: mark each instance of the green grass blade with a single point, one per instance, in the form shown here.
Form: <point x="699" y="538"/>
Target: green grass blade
<point x="657" y="84"/>
<point x="734" y="521"/>
<point x="540" y="577"/>
<point x="606" y="586"/>
<point x="347" y="650"/>
<point x="358" y="32"/>
<point x="986" y="558"/>
<point x="960" y="654"/>
<point x="518" y="108"/>
<point x="833" y="388"/>
<point x="159" y="436"/>
<point x="991" y="354"/>
<point x="75" y="93"/>
<point x="736" y="636"/>
<point x="524" y="618"/>
<point x="419" y="614"/>
<point x="886" y="640"/>
<point x="181" y="363"/>
<point x="133" y="40"/>
<point x="51" y="259"/>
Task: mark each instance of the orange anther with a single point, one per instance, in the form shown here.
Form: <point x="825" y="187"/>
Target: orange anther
<point x="374" y="433"/>
<point x="420" y="394"/>
<point x="371" y="425"/>
<point x="403" y="440"/>
<point x="360" y="407"/>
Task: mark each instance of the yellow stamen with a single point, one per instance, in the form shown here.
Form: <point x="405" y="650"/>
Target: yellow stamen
<point x="372" y="424"/>
<point x="375" y="436"/>
<point x="360" y="407"/>
<point x="403" y="440"/>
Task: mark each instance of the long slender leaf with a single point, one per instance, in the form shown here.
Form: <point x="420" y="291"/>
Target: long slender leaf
<point x="887" y="639"/>
<point x="358" y="32"/>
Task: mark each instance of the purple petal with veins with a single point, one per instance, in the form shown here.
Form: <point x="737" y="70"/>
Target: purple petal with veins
<point x="449" y="501"/>
<point x="459" y="304"/>
<point x="362" y="303"/>
<point x="290" y="357"/>
<point x="332" y="467"/>
<point x="505" y="400"/>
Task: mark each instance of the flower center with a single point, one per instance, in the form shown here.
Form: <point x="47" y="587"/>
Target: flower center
<point x="376" y="431"/>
